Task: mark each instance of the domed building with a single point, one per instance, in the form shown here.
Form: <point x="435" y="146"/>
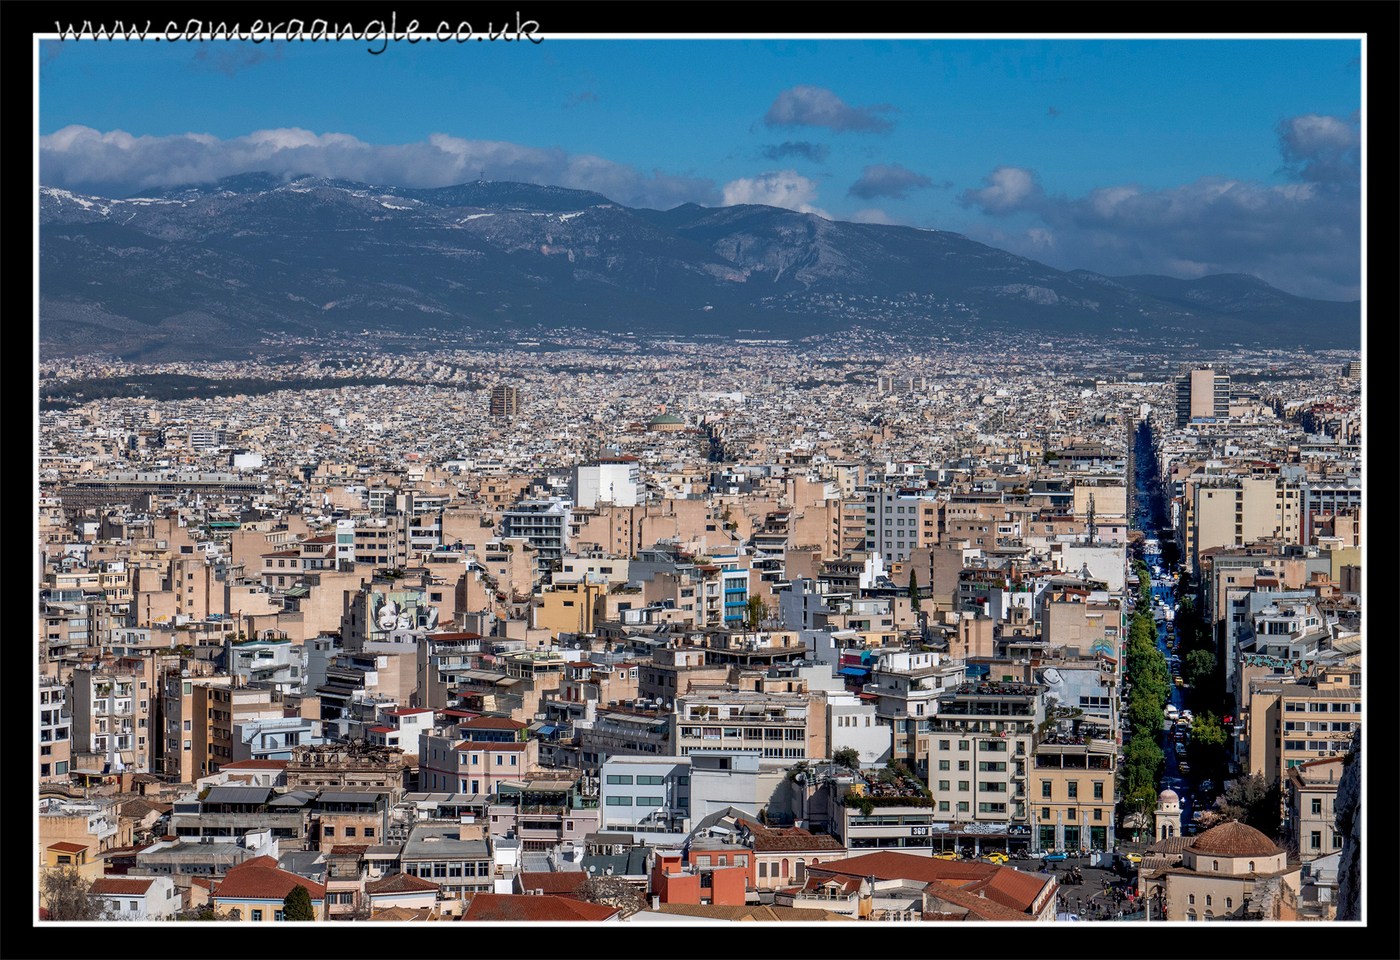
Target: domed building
<point x="1231" y="871"/>
<point x="666" y="423"/>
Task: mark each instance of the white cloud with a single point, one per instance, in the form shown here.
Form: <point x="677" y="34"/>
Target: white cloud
<point x="117" y="164"/>
<point x="809" y="106"/>
<point x="776" y="188"/>
<point x="872" y="215"/>
<point x="1005" y="190"/>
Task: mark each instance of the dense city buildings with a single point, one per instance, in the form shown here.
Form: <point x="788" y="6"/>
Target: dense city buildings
<point x="658" y="627"/>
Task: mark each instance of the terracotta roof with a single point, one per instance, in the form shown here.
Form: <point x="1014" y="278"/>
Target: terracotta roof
<point x="546" y="909"/>
<point x="404" y="914"/>
<point x="493" y="723"/>
<point x="981" y="906"/>
<point x="66" y="847"/>
<point x="752" y="912"/>
<point x="260" y="879"/>
<point x="399" y="883"/>
<point x="765" y="841"/>
<point x="551" y="882"/>
<point x="1004" y="886"/>
<point x="254" y="765"/>
<point x="123" y="886"/>
<point x="349" y="849"/>
<point x="1234" y="839"/>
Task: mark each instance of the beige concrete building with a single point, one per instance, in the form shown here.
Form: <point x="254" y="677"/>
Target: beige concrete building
<point x="1311" y="795"/>
<point x="1231" y="871"/>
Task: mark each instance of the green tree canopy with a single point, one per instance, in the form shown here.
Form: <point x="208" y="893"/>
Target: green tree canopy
<point x="847" y="757"/>
<point x="297" y="905"/>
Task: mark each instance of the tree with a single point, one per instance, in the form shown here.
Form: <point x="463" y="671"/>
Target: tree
<point x="297" y="905"/>
<point x="914" y="590"/>
<point x="756" y="612"/>
<point x="612" y="892"/>
<point x="1253" y="800"/>
<point x="67" y="895"/>
<point x="847" y="757"/>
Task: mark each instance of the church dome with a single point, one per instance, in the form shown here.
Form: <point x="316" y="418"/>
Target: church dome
<point x="1167" y="796"/>
<point x="1234" y="839"/>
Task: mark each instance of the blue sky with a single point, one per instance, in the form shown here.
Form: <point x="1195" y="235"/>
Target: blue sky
<point x="1181" y="157"/>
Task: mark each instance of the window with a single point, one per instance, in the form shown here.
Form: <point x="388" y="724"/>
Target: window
<point x="943" y="744"/>
<point x="1207" y="899"/>
<point x="1045" y="789"/>
<point x="962" y="765"/>
<point x="257" y="914"/>
<point x="1229" y="903"/>
<point x="944" y="784"/>
<point x="1190" y="898"/>
<point x="962" y="745"/>
<point x="277" y="915"/>
<point x="349" y="831"/>
<point x="963" y="786"/>
<point x="1073" y="789"/>
<point x="1317" y="840"/>
<point x="1098" y="789"/>
<point x="328" y="831"/>
<point x="943" y="765"/>
<point x="1317" y="805"/>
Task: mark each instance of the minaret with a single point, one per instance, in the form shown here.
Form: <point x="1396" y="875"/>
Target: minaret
<point x="1167" y="816"/>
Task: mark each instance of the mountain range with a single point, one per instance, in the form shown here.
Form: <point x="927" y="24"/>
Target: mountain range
<point x="209" y="270"/>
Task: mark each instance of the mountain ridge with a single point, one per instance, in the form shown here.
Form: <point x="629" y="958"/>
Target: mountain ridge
<point x="312" y="255"/>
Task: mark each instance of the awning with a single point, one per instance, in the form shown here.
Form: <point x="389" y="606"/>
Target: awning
<point x="854" y="671"/>
<point x="548" y="730"/>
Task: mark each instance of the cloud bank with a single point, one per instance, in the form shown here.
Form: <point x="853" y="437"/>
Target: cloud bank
<point x="776" y="188"/>
<point x="1302" y="236"/>
<point x="117" y="164"/>
<point x="815" y="152"/>
<point x="807" y="106"/>
<point x="887" y="180"/>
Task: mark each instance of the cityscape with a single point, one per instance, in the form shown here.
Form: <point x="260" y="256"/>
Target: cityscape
<point x="498" y="544"/>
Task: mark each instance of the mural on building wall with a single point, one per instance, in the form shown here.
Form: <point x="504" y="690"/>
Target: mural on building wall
<point x="400" y="610"/>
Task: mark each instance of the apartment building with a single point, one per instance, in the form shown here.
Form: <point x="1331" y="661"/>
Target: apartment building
<point x="981" y="738"/>
<point x="111" y="703"/>
<point x="906" y="686"/>
<point x="55" y="730"/>
<point x="645" y="792"/>
<point x="1311" y="799"/>
<point x="1290" y="723"/>
<point x="791" y="726"/>
<point x="1074" y="792"/>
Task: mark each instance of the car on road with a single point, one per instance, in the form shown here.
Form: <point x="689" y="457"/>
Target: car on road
<point x="1133" y="858"/>
<point x="945" y="856"/>
<point x="997" y="858"/>
<point x="1184" y="767"/>
<point x="1056" y="857"/>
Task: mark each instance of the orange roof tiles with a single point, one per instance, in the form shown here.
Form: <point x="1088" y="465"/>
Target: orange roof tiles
<point x="546" y="909"/>
<point x="261" y="879"/>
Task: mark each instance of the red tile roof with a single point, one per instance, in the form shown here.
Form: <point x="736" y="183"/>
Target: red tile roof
<point x="66" y="847"/>
<point x="400" y="883"/>
<point x="261" y="879"/>
<point x="254" y="765"/>
<point x="546" y="909"/>
<point x="123" y="886"/>
<point x="551" y="882"/>
<point x="493" y="723"/>
<point x="1002" y="885"/>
